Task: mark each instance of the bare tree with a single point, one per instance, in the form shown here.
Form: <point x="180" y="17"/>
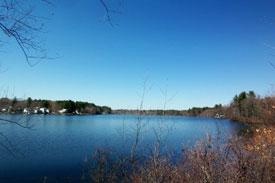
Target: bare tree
<point x="19" y="23"/>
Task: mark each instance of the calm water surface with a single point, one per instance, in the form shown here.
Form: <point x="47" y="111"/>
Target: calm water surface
<point x="58" y="146"/>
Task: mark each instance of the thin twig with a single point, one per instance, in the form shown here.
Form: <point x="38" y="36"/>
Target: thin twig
<point x="15" y="122"/>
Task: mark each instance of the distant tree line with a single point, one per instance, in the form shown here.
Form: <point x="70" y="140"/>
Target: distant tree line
<point x="245" y="107"/>
<point x="61" y="106"/>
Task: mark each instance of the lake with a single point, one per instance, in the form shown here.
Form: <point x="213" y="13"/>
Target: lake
<point x="58" y="146"/>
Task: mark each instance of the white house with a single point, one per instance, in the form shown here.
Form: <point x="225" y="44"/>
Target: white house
<point x="26" y="111"/>
<point x="44" y="110"/>
<point x="62" y="111"/>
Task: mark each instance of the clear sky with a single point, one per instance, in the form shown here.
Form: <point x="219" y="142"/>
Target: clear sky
<point x="200" y="52"/>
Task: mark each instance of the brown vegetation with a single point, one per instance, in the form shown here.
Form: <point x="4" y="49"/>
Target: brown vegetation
<point x="246" y="158"/>
<point x="251" y="109"/>
<point x="243" y="159"/>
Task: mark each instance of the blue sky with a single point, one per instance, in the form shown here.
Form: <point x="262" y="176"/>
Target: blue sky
<point x="200" y="52"/>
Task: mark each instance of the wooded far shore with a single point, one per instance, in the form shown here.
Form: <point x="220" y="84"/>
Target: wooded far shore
<point x="244" y="107"/>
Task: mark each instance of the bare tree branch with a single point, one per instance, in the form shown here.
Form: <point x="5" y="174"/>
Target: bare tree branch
<point x="18" y="22"/>
<point x="110" y="12"/>
<point x="16" y="123"/>
<point x="272" y="65"/>
<point x="8" y="147"/>
<point x="107" y="10"/>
